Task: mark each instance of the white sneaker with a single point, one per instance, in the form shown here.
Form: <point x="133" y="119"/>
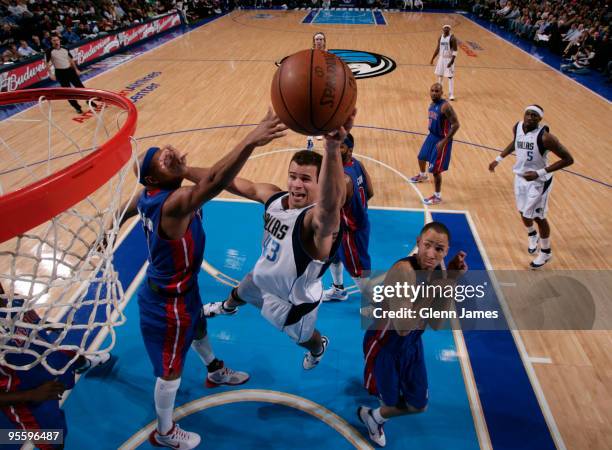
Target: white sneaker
<point x="375" y="429"/>
<point x="532" y="243"/>
<point x="217" y="309"/>
<point x="175" y="438"/>
<point x="452" y="98"/>
<point x="319" y="138"/>
<point x="226" y="376"/>
<point x="334" y="293"/>
<point x="310" y="360"/>
<point x="542" y="258"/>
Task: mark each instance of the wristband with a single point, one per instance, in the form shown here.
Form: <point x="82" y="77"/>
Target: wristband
<point x="541" y="172"/>
<point x="499" y="159"/>
<point x="454" y="53"/>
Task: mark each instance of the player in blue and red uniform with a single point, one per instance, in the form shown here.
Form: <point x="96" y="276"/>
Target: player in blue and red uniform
<point x="354" y="253"/>
<point x="171" y="318"/>
<point x="443" y="124"/>
<point x="29" y="399"/>
<point x="393" y="350"/>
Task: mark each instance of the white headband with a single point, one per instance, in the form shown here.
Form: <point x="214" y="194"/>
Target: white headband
<point x="446" y="26"/>
<point x="536" y="109"/>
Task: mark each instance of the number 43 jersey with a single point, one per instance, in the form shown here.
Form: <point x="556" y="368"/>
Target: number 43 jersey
<point x="284" y="268"/>
<point x="529" y="149"/>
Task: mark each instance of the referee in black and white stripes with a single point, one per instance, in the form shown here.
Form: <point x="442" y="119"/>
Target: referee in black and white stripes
<point x="66" y="71"/>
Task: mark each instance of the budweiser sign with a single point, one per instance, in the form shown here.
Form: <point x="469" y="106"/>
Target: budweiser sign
<point x="28" y="74"/>
<point x="23" y="76"/>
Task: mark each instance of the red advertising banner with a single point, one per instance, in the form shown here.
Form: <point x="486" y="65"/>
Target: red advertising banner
<point x="26" y="75"/>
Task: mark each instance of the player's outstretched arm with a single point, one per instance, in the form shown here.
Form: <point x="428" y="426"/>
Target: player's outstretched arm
<point x="219" y="176"/>
<point x="259" y="192"/>
<point x="509" y="149"/>
<point x="322" y="222"/>
<point x="436" y="51"/>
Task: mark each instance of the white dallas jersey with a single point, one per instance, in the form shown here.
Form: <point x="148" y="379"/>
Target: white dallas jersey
<point x="445" y="47"/>
<point x="284" y="269"/>
<point x="529" y="150"/>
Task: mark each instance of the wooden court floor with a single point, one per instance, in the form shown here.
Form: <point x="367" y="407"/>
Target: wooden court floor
<point x="220" y="74"/>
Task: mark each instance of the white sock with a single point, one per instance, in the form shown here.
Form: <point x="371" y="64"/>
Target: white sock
<point x="451" y="87"/>
<point x="378" y="417"/>
<point x="438" y="194"/>
<point x="422" y="174"/>
<point x="531" y="229"/>
<point x="337" y="273"/>
<point x="545" y="244"/>
<point x="204" y="350"/>
<point x="165" y="394"/>
<point x="440" y="80"/>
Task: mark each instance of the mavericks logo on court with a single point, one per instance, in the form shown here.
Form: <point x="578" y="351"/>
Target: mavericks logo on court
<point x="366" y="64"/>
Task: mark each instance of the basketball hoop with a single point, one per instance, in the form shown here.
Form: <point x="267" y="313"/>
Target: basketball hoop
<point x="61" y="215"/>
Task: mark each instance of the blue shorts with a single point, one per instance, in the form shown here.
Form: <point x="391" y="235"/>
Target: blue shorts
<point x="395" y="368"/>
<point x="438" y="161"/>
<point x="34" y="416"/>
<point x="354" y="252"/>
<point x="168" y="326"/>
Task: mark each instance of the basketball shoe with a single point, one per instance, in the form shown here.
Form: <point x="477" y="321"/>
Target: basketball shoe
<point x="311" y="361"/>
<point x="433" y="200"/>
<point x="334" y="293"/>
<point x="225" y="375"/>
<point x="418" y="178"/>
<point x="218" y="309"/>
<point x="375" y="429"/>
<point x="175" y="438"/>
<point x="543" y="257"/>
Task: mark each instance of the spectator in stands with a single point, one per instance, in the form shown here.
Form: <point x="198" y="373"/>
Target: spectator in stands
<point x="24" y="50"/>
<point x="580" y="61"/>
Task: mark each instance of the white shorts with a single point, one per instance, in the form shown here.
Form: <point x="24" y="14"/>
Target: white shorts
<point x="532" y="197"/>
<point x="442" y="69"/>
<point x="277" y="310"/>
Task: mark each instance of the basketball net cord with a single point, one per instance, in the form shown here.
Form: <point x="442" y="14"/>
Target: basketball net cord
<point x="61" y="288"/>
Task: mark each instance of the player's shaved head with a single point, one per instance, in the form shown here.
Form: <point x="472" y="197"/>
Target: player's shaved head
<point x="436" y="91"/>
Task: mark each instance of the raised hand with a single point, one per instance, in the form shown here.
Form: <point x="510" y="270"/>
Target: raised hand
<point x="457" y="265"/>
<point x="269" y="128"/>
<point x="335" y="138"/>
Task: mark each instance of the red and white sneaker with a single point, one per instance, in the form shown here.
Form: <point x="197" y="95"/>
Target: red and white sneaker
<point x="226" y="376"/>
<point x="433" y="200"/>
<point x="175" y="438"/>
<point x="418" y="178"/>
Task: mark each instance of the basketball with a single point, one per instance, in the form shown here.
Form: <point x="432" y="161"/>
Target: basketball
<point x="313" y="92"/>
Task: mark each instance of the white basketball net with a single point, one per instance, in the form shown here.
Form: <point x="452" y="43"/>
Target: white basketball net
<point x="62" y="292"/>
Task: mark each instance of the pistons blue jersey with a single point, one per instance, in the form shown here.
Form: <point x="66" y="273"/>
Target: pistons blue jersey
<point x="438" y="123"/>
<point x="355" y="214"/>
<point x="12" y="380"/>
<point x="173" y="264"/>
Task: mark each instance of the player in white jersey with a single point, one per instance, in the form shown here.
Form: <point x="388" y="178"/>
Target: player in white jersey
<point x="447" y="51"/>
<point x="533" y="177"/>
<point x="301" y="234"/>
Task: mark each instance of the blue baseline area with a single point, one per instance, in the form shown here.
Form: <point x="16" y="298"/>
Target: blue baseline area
<point x="344" y="17"/>
<point x="511" y="409"/>
<point x="119" y="403"/>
